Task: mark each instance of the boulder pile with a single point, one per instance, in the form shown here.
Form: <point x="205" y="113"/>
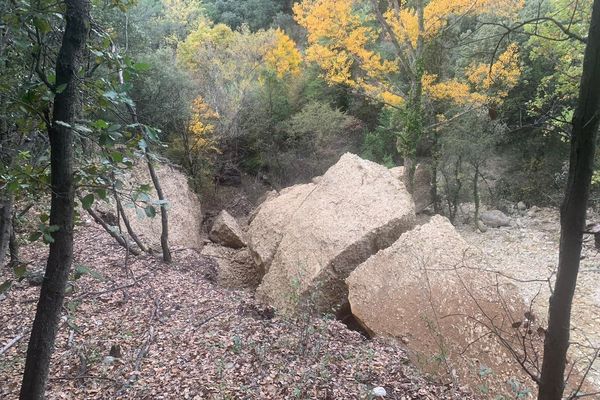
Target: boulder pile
<point x="348" y="241"/>
<point x="309" y="238"/>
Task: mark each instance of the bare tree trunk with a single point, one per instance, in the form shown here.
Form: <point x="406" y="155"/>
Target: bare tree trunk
<point x="6" y="216"/>
<point x="572" y="218"/>
<point x="45" y="324"/>
<point x="164" y="219"/>
<point x="13" y="244"/>
<point x="125" y="219"/>
<point x="120" y="239"/>
<point x="476" y="198"/>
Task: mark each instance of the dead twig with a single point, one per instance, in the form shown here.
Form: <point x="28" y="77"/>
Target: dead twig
<point x="12" y="342"/>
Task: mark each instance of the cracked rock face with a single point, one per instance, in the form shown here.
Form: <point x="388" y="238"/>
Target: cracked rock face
<point x="311" y="237"/>
<point x="430" y="288"/>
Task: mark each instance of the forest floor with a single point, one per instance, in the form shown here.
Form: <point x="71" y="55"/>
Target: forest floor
<point x="181" y="337"/>
<point x="528" y="252"/>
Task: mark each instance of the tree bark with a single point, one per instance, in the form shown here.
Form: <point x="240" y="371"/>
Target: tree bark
<point x="572" y="218"/>
<point x="476" y="198"/>
<point x="125" y="219"/>
<point x="45" y="324"/>
<point x="6" y="215"/>
<point x="164" y="219"/>
<point x="13" y="244"/>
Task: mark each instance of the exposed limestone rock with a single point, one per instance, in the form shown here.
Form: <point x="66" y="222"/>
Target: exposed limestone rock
<point x="398" y="173"/>
<point x="227" y="232"/>
<point x="269" y="222"/>
<point x="235" y="267"/>
<point x="185" y="214"/>
<point x="316" y="234"/>
<point x="494" y="218"/>
<point x="428" y="289"/>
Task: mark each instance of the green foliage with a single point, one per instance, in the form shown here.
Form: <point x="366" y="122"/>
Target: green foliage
<point x="319" y="123"/>
<point x="380" y="144"/>
<point x="256" y="14"/>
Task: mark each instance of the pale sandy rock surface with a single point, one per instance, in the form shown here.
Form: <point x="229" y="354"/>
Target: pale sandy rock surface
<point x="428" y="289"/>
<point x="269" y="222"/>
<point x="184" y="211"/>
<point x="357" y="208"/>
<point x="227" y="231"/>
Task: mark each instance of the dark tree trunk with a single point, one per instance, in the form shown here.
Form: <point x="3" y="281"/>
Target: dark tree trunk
<point x="6" y="216"/>
<point x="45" y="325"/>
<point x="13" y="245"/>
<point x="125" y="219"/>
<point x="572" y="218"/>
<point x="164" y="236"/>
<point x="476" y="198"/>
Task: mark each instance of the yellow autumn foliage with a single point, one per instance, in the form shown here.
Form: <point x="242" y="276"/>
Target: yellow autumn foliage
<point x="201" y="126"/>
<point x="283" y="58"/>
<point x="343" y="36"/>
<point x="502" y="74"/>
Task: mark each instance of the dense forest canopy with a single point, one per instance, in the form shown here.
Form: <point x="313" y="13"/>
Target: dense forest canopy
<point x="486" y="95"/>
<point x="256" y="84"/>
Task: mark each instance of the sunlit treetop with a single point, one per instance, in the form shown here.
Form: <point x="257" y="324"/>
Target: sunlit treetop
<point x="271" y="49"/>
<point x="378" y="51"/>
<point x="283" y="57"/>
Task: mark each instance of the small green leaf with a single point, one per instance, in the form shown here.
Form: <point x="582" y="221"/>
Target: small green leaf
<point x="5" y="286"/>
<point x="53" y="228"/>
<point x="42" y="24"/>
<point x="101" y="193"/>
<point x="81" y="270"/>
<point x="141" y="67"/>
<point x="20" y="271"/>
<point x="116" y="156"/>
<point x="100" y="124"/>
<point x="150" y="212"/>
<point x="87" y="201"/>
<point x="35" y="236"/>
<point x="48" y="239"/>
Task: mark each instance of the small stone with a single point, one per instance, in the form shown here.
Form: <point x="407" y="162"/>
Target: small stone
<point x="379" y="392"/>
<point x="494" y="218"/>
<point x="521" y="206"/>
<point x="115" y="351"/>
<point x="108" y="360"/>
<point x="482" y="227"/>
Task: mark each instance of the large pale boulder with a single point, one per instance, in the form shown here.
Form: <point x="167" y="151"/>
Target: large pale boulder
<point x="270" y="220"/>
<point x="226" y="231"/>
<point x="324" y="230"/>
<point x="430" y="289"/>
<point x="183" y="207"/>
